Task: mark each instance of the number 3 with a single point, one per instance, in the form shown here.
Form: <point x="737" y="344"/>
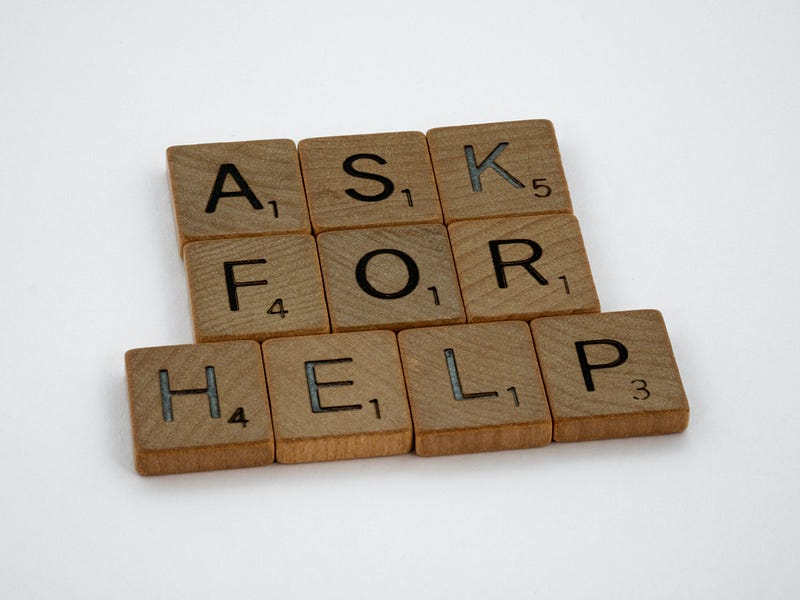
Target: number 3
<point x="641" y="388"/>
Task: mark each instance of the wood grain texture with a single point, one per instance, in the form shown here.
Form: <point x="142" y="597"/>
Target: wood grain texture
<point x="642" y="395"/>
<point x="191" y="439"/>
<point x="495" y="364"/>
<point x="269" y="169"/>
<point x="279" y="268"/>
<point x="400" y="250"/>
<point x="401" y="159"/>
<point x="517" y="165"/>
<point x="360" y="409"/>
<point x="564" y="286"/>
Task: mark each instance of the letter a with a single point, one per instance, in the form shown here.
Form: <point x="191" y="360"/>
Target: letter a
<point x="244" y="189"/>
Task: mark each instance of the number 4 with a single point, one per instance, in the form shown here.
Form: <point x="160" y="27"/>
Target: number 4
<point x="238" y="417"/>
<point x="277" y="308"/>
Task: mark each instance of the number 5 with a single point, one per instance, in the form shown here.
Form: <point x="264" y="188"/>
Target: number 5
<point x="538" y="184"/>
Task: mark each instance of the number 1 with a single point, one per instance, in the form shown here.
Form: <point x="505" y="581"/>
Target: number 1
<point x="377" y="408"/>
<point x="566" y="285"/>
<point x="513" y="391"/>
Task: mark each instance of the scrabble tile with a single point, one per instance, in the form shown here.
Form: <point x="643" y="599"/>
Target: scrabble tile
<point x="255" y="288"/>
<point x="474" y="388"/>
<point x="237" y="189"/>
<point x="198" y="408"/>
<point x="522" y="268"/>
<point x="498" y="170"/>
<point x="389" y="278"/>
<point x="369" y="180"/>
<point x="610" y="375"/>
<point x="337" y="396"/>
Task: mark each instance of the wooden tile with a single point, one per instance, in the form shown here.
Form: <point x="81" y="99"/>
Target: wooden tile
<point x="237" y="189"/>
<point x="498" y="170"/>
<point x="337" y="396"/>
<point x="255" y="288"/>
<point x="198" y="408"/>
<point x="389" y="278"/>
<point x="522" y="268"/>
<point x="610" y="375"/>
<point x="474" y="388"/>
<point x="369" y="180"/>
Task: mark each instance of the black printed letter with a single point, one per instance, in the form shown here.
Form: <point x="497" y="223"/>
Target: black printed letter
<point x="244" y="189"/>
<point x="586" y="368"/>
<point x="500" y="264"/>
<point x="411" y="266"/>
<point x="232" y="284"/>
<point x="388" y="186"/>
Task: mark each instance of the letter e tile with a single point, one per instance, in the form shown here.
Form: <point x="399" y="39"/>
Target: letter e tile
<point x="610" y="375"/>
<point x="198" y="407"/>
<point x="337" y="396"/>
<point x="474" y="388"/>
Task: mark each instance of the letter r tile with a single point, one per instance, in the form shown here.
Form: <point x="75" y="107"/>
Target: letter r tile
<point x="337" y="396"/>
<point x="522" y="268"/>
<point x="255" y="288"/>
<point x="610" y="375"/>
<point x="237" y="189"/>
<point x="474" y="388"/>
<point x="498" y="170"/>
<point x="198" y="407"/>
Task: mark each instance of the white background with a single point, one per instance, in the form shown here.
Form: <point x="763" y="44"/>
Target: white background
<point x="678" y="125"/>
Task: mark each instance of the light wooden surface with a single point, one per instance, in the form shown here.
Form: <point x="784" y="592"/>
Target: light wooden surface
<point x="291" y="302"/>
<point x="269" y="169"/>
<point x="337" y="396"/>
<point x="643" y="395"/>
<point x="474" y="388"/>
<point x="193" y="440"/>
<point x="390" y="180"/>
<point x="562" y="282"/>
<point x="432" y="298"/>
<point x="498" y="170"/>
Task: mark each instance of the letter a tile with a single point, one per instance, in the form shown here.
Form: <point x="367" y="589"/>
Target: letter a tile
<point x="474" y="388"/>
<point x="498" y="170"/>
<point x="255" y="288"/>
<point x="610" y="375"/>
<point x="198" y="408"/>
<point x="237" y="189"/>
<point x="337" y="396"/>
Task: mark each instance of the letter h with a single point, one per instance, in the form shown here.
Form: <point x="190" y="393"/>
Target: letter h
<point x="167" y="394"/>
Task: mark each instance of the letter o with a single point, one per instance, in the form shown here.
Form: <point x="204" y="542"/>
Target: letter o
<point x="411" y="267"/>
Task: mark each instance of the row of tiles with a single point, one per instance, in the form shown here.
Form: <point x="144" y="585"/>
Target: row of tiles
<point x="439" y="390"/>
<point x="267" y="187"/>
<point x="389" y="278"/>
